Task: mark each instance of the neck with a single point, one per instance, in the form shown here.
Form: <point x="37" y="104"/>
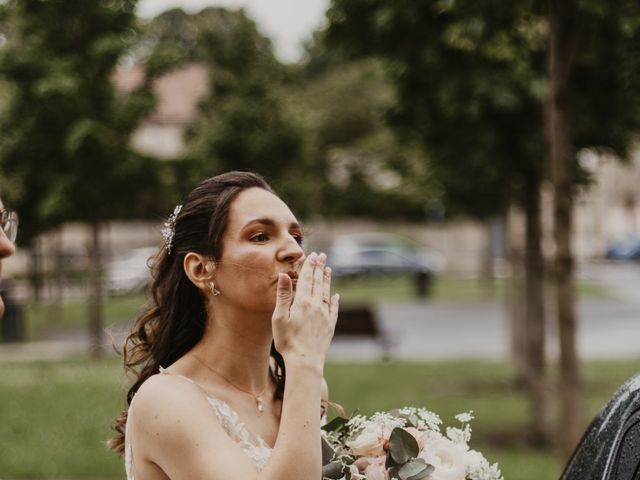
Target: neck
<point x="236" y="345"/>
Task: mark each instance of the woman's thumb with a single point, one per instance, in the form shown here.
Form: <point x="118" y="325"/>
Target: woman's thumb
<point x="283" y="297"/>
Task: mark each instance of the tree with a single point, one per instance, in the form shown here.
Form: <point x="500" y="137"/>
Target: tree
<point x="341" y="106"/>
<point x="466" y="89"/>
<point x="242" y="124"/>
<point x="473" y="84"/>
<point x="65" y="150"/>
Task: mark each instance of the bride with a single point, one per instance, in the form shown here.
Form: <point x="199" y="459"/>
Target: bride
<point x="231" y="349"/>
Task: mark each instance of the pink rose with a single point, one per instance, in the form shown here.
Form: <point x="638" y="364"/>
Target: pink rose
<point x="355" y="473"/>
<point x="369" y="442"/>
<point x="376" y="471"/>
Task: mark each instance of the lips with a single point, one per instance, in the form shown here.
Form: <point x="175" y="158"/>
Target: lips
<point x="293" y="275"/>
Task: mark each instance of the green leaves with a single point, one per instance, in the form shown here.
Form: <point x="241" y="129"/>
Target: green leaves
<point x="402" y="446"/>
<point x="401" y="459"/>
<point x="332" y="470"/>
<point x="335" y="425"/>
<point x="415" y="469"/>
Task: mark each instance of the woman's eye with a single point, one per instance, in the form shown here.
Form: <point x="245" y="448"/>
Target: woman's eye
<point x="298" y="239"/>
<point x="260" y="237"/>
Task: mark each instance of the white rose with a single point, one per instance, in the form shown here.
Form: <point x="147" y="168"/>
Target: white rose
<point x="448" y="459"/>
<point x="369" y="442"/>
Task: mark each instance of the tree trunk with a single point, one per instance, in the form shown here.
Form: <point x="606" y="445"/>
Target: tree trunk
<point x="516" y="300"/>
<point x="96" y="295"/>
<point x="536" y="365"/>
<point x="562" y="47"/>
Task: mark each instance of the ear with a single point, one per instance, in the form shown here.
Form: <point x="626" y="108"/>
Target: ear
<point x="199" y="268"/>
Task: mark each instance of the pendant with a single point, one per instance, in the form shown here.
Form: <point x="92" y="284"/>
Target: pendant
<point x="259" y="404"/>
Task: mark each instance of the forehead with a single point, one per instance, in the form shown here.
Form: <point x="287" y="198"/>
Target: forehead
<point x="255" y="203"/>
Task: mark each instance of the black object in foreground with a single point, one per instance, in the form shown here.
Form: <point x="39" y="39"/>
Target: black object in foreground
<point x="610" y="448"/>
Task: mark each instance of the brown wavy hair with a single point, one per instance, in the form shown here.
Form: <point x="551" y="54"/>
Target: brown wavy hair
<point x="175" y="317"/>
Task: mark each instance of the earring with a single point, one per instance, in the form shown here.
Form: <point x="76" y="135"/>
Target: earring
<point x="214" y="291"/>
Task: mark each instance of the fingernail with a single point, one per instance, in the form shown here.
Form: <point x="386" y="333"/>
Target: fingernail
<point x="313" y="256"/>
<point x="327" y="271"/>
<point x="322" y="258"/>
<point x="283" y="279"/>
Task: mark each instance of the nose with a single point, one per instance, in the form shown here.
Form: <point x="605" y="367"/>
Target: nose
<point x="291" y="251"/>
<point x="7" y="248"/>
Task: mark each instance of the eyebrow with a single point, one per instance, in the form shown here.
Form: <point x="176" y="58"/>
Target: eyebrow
<point x="270" y="222"/>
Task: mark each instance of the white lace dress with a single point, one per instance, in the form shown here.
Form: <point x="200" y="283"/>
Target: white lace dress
<point x="252" y="445"/>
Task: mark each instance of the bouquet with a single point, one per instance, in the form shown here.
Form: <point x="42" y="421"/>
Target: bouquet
<point x="403" y="444"/>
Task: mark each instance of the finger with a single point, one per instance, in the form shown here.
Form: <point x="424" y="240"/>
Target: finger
<point x="305" y="276"/>
<point x="318" y="277"/>
<point x="284" y="297"/>
<point x="334" y="307"/>
<point x="326" y="286"/>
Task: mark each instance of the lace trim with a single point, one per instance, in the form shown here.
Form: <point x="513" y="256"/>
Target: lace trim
<point x="258" y="451"/>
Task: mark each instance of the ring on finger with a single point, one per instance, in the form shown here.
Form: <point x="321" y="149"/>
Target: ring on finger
<point x="326" y="300"/>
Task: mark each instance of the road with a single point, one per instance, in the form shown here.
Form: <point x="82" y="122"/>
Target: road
<point x="607" y="328"/>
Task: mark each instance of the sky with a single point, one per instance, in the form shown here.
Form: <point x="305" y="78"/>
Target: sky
<point x="287" y="22"/>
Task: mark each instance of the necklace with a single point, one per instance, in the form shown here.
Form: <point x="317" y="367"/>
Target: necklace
<point x="257" y="398"/>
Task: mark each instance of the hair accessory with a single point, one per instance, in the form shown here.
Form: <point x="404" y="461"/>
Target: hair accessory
<point x="169" y="229"/>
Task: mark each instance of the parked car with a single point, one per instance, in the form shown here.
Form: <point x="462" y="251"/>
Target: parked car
<point x="624" y="250"/>
<point x="130" y="271"/>
<point x="384" y="254"/>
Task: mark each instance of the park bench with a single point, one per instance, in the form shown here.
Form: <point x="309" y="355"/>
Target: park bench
<point x="362" y="321"/>
<point x="610" y="448"/>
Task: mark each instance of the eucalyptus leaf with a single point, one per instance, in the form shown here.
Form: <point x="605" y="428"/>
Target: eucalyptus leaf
<point x="335" y="424"/>
<point x="390" y="462"/>
<point x="327" y="452"/>
<point x="332" y="470"/>
<point x="402" y="446"/>
<point x="393" y="472"/>
<point x="424" y="473"/>
<point x="415" y="469"/>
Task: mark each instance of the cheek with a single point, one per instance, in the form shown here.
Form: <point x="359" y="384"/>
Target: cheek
<point x="249" y="267"/>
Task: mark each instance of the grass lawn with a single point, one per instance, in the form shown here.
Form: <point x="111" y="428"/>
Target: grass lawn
<point x="55" y="416"/>
<point x="42" y="318"/>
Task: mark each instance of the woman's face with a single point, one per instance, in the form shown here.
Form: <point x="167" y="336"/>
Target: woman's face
<point x="263" y="238"/>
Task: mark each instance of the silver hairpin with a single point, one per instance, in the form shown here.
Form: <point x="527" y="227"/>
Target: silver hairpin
<point x="169" y="229"/>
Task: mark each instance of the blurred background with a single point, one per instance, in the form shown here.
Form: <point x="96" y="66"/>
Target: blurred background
<point x="471" y="168"/>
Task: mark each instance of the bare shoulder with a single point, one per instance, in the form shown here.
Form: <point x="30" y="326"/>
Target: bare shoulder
<point x="165" y="392"/>
<point x="177" y="429"/>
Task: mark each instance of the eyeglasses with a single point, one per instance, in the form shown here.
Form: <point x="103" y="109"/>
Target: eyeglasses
<point x="9" y="223"/>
